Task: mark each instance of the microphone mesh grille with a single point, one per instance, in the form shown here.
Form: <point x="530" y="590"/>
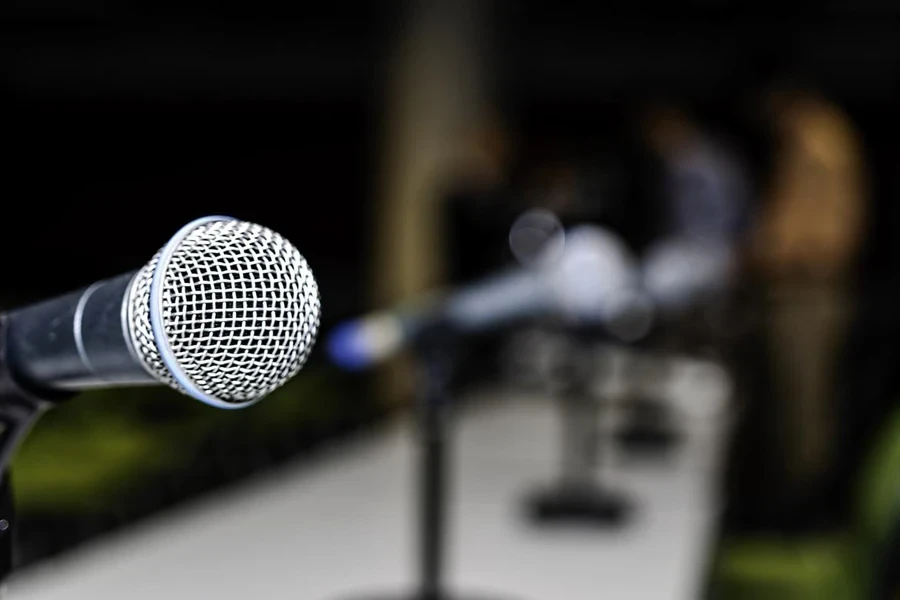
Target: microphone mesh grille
<point x="240" y="311"/>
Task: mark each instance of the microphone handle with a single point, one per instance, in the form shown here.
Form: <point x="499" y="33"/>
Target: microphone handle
<point x="77" y="341"/>
<point x="497" y="300"/>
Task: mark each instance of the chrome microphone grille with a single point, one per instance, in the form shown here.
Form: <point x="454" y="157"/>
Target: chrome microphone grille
<point x="226" y="312"/>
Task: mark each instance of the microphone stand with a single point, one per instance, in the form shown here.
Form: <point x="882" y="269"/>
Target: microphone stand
<point x="579" y="496"/>
<point x="436" y="359"/>
<point x="648" y="431"/>
<point x="651" y="431"/>
<point x="19" y="409"/>
<point x="436" y="355"/>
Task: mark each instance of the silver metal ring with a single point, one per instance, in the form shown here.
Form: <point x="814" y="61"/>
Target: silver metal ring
<point x="156" y="317"/>
<point x="76" y="326"/>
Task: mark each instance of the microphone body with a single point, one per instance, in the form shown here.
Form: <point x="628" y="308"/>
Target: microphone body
<point x="225" y="312"/>
<point x="77" y="341"/>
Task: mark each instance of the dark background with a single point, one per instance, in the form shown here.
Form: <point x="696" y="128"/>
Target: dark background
<point x="124" y="120"/>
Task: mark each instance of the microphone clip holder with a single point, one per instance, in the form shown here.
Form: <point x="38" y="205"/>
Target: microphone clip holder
<point x="19" y="409"/>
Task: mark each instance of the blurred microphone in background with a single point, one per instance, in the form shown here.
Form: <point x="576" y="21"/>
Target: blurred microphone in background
<point x="583" y="276"/>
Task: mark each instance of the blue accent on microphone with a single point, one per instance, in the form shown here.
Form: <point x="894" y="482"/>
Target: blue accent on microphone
<point x="156" y="319"/>
<point x="346" y="349"/>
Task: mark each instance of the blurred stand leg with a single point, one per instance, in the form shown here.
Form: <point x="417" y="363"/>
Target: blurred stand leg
<point x="579" y="496"/>
<point x="695" y="339"/>
<point x="649" y="431"/>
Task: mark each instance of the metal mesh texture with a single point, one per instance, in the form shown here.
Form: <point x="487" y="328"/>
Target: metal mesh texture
<point x="240" y="311"/>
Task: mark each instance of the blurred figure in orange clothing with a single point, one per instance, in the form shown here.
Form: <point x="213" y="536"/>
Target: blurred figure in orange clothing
<point x="802" y="256"/>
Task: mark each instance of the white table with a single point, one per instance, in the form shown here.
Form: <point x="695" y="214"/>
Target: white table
<point x="343" y="526"/>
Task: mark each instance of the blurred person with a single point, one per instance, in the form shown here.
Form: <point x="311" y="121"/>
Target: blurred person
<point x="801" y="258"/>
<point x="696" y="217"/>
<point x="811" y="228"/>
<point x="705" y="186"/>
<point x="704" y="198"/>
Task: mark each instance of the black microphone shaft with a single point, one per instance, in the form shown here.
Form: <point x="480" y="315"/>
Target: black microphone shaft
<point x="76" y="341"/>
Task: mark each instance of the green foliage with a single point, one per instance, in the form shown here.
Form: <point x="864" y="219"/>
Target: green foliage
<point x="879" y="497"/>
<point x="770" y="569"/>
<point x="86" y="455"/>
<point x="838" y="568"/>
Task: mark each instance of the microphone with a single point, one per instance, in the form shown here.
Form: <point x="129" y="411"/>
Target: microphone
<point x="593" y="280"/>
<point x="682" y="272"/>
<point x="226" y="312"/>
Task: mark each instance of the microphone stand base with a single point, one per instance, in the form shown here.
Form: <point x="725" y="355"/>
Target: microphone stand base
<point x="648" y="441"/>
<point x="583" y="504"/>
<point x="650" y="431"/>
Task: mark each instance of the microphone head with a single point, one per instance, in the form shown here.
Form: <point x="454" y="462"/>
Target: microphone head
<point x="596" y="281"/>
<point x="227" y="311"/>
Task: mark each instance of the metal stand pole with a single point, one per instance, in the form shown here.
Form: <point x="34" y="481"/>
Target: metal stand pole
<point x="436" y="357"/>
<point x="436" y="362"/>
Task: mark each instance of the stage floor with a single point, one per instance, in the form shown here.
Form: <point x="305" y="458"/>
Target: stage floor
<point x="342" y="527"/>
